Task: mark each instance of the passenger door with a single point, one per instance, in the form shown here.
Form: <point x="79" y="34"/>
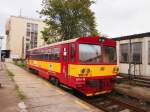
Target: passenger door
<point x="65" y="55"/>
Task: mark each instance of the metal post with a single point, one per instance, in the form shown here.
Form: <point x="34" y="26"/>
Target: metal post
<point x="1" y="37"/>
<point x="129" y="70"/>
<point x="130" y="55"/>
<point x="23" y="47"/>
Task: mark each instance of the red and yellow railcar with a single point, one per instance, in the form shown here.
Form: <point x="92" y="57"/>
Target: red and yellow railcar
<point x="87" y="64"/>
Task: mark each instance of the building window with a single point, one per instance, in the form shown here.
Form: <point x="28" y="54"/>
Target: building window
<point x="124" y="50"/>
<point x="149" y="52"/>
<point x="32" y="33"/>
<point x="136" y="56"/>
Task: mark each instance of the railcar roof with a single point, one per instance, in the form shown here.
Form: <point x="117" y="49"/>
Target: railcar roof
<point x="58" y="43"/>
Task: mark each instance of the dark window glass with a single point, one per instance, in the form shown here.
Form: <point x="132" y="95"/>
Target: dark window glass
<point x="72" y="52"/>
<point x="32" y="33"/>
<point x="46" y="57"/>
<point x="28" y="25"/>
<point x="136" y="56"/>
<point x="124" y="50"/>
<point x="28" y="32"/>
<point x="55" y="54"/>
<point x="109" y="55"/>
<point x="89" y="53"/>
<point x="36" y="28"/>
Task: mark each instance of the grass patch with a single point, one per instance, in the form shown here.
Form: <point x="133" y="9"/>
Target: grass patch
<point x="11" y="75"/>
<point x="20" y="62"/>
<point x="18" y="92"/>
<point x="22" y="65"/>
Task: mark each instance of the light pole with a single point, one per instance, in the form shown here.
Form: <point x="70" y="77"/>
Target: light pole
<point x="1" y="37"/>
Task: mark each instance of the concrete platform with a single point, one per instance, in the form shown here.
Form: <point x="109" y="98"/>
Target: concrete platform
<point x="8" y="98"/>
<point x="41" y="96"/>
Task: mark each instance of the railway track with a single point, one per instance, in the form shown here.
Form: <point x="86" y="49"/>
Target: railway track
<point x="109" y="103"/>
<point x="135" y="81"/>
<point x="142" y="82"/>
<point x="113" y="102"/>
<point x="116" y="102"/>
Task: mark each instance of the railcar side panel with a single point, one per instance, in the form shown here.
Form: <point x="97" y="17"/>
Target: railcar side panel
<point x="90" y="79"/>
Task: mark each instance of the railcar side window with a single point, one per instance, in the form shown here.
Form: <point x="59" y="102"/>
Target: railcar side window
<point x="109" y="54"/>
<point x="46" y="56"/>
<point x="72" y="52"/>
<point x="89" y="53"/>
<point x="124" y="53"/>
<point x="55" y="54"/>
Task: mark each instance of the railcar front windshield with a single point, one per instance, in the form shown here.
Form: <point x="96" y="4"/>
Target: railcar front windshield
<point x="89" y="53"/>
<point x="109" y="55"/>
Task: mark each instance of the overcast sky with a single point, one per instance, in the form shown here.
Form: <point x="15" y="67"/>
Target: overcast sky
<point x="113" y="17"/>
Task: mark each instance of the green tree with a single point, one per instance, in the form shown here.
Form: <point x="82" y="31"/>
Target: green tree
<point x="66" y="19"/>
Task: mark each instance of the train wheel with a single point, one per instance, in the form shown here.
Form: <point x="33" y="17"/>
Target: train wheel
<point x="57" y="82"/>
<point x="51" y="80"/>
<point x="54" y="81"/>
<point x="32" y="70"/>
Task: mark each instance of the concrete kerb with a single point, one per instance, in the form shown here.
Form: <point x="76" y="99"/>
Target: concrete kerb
<point x="20" y="95"/>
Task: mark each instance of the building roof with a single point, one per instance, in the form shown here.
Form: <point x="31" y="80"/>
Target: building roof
<point x="27" y="18"/>
<point x="141" y="35"/>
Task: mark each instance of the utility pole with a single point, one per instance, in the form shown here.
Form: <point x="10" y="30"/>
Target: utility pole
<point x="20" y="12"/>
<point x="1" y="37"/>
<point x="130" y="61"/>
<point x="23" y="47"/>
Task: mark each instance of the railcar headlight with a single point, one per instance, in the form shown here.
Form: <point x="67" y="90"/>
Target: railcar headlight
<point x="102" y="39"/>
<point x="114" y="69"/>
<point x="102" y="68"/>
<point x="85" y="72"/>
<point x="88" y="71"/>
<point x="117" y="69"/>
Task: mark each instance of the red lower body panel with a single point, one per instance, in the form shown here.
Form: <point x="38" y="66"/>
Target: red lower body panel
<point x="93" y="85"/>
<point x="87" y="85"/>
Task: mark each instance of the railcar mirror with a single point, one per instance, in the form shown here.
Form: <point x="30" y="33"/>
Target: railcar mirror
<point x="65" y="53"/>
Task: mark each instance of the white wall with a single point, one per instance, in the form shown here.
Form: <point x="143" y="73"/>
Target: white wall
<point x="144" y="67"/>
<point x="17" y="31"/>
<point x="4" y="43"/>
<point x="147" y="66"/>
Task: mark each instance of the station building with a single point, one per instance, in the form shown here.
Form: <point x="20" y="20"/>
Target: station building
<point x="133" y="54"/>
<point x="23" y="34"/>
